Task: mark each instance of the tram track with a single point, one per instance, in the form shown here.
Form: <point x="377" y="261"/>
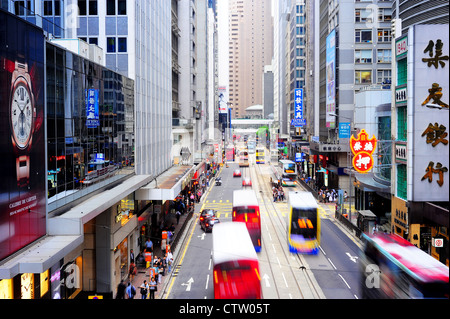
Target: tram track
<point x="294" y="261"/>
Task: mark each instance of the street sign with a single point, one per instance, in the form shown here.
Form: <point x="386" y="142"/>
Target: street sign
<point x="344" y="130"/>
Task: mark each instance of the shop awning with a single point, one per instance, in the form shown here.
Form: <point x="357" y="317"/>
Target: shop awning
<point x="168" y="185"/>
<point x="369" y="184"/>
<point x="40" y="256"/>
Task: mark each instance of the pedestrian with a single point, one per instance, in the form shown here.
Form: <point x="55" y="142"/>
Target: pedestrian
<point x="345" y="196"/>
<point x="178" y="214"/>
<point x="152" y="287"/>
<point x="149" y="245"/>
<point x="121" y="290"/>
<point x="132" y="271"/>
<point x="169" y="260"/>
<point x="130" y="291"/>
<point x="144" y="289"/>
<point x="131" y="256"/>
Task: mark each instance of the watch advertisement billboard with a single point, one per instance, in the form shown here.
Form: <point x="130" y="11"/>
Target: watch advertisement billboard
<point x="22" y="138"/>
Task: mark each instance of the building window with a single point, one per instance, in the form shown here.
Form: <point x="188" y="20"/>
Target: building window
<point x="402" y="118"/>
<point x="384" y="35"/>
<point x="111" y="7"/>
<point x="93" y="41"/>
<point x="48" y="8"/>
<point x="384" y="56"/>
<point x="363" y="56"/>
<point x="93" y="10"/>
<point x="363" y="15"/>
<point x="110" y="44"/>
<point x="122" y="44"/>
<point x="401" y="181"/>
<point x="384" y="76"/>
<point x="384" y="14"/>
<point x="122" y="7"/>
<point x="402" y="71"/>
<point x="19" y="8"/>
<point x="363" y="36"/>
<point x="82" y="7"/>
<point x="363" y="77"/>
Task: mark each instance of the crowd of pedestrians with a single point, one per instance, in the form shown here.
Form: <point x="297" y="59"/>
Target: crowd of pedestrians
<point x="330" y="196"/>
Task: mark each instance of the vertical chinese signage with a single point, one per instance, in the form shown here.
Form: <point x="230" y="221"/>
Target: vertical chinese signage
<point x="22" y="142"/>
<point x="92" y="117"/>
<point x="431" y="113"/>
<point x="298" y="120"/>
<point x="331" y="79"/>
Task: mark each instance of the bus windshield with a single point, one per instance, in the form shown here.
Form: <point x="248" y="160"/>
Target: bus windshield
<point x="289" y="168"/>
<point x="304" y="222"/>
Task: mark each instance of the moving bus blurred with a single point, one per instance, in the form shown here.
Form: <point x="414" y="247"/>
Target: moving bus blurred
<point x="243" y="158"/>
<point x="236" y="267"/>
<point x="288" y="173"/>
<point x="392" y="267"/>
<point x="304" y="223"/>
<point x="260" y="157"/>
<point x="246" y="209"/>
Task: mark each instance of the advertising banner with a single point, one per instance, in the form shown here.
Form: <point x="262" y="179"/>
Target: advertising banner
<point x="22" y="138"/>
<point x="331" y="79"/>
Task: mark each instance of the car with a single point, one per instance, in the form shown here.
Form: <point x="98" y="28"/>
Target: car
<point x="207" y="213"/>
<point x="246" y="181"/>
<point x="237" y="173"/>
<point x="207" y="223"/>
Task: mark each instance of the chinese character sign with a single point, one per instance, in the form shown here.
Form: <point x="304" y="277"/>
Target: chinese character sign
<point x="428" y="149"/>
<point x="298" y="120"/>
<point x="363" y="148"/>
<point x="92" y="116"/>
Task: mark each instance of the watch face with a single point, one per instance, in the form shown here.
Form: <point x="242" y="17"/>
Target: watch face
<point x="21" y="114"/>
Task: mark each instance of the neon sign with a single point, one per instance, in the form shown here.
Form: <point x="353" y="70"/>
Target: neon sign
<point x="363" y="149"/>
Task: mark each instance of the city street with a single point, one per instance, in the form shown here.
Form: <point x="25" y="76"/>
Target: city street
<point x="333" y="273"/>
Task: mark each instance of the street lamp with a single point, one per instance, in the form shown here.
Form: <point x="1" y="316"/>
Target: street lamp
<point x="349" y="169"/>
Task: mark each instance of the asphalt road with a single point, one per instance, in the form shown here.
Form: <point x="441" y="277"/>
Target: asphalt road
<point x="332" y="274"/>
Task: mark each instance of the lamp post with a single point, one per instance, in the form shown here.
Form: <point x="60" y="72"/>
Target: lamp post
<point x="349" y="167"/>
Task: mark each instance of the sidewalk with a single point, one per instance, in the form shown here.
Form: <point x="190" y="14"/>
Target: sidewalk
<point x="144" y="273"/>
<point x="180" y="234"/>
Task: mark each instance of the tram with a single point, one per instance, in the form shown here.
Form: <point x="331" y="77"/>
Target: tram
<point x="260" y="156"/>
<point x="304" y="223"/>
<point x="288" y="173"/>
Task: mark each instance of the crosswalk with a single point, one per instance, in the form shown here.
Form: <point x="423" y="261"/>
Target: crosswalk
<point x="224" y="209"/>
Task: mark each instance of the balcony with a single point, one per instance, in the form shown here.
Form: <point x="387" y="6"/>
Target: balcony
<point x="187" y="124"/>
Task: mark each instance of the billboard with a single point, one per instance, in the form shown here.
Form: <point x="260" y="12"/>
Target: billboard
<point x="430" y="106"/>
<point x="22" y="138"/>
<point x="331" y="79"/>
<point x="298" y="119"/>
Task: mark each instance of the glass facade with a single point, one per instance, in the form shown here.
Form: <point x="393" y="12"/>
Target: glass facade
<point x="90" y="123"/>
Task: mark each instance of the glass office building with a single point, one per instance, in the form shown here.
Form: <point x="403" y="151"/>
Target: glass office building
<point x="90" y="125"/>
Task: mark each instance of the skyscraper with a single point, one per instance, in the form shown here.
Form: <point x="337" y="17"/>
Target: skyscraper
<point x="250" y="49"/>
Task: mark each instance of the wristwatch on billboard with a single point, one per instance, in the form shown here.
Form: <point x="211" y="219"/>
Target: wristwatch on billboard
<point x="22" y="118"/>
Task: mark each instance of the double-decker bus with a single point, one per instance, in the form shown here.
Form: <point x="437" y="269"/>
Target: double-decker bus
<point x="288" y="173"/>
<point x="246" y="209"/>
<point x="235" y="263"/>
<point x="304" y="223"/>
<point x="392" y="267"/>
<point x="260" y="156"/>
